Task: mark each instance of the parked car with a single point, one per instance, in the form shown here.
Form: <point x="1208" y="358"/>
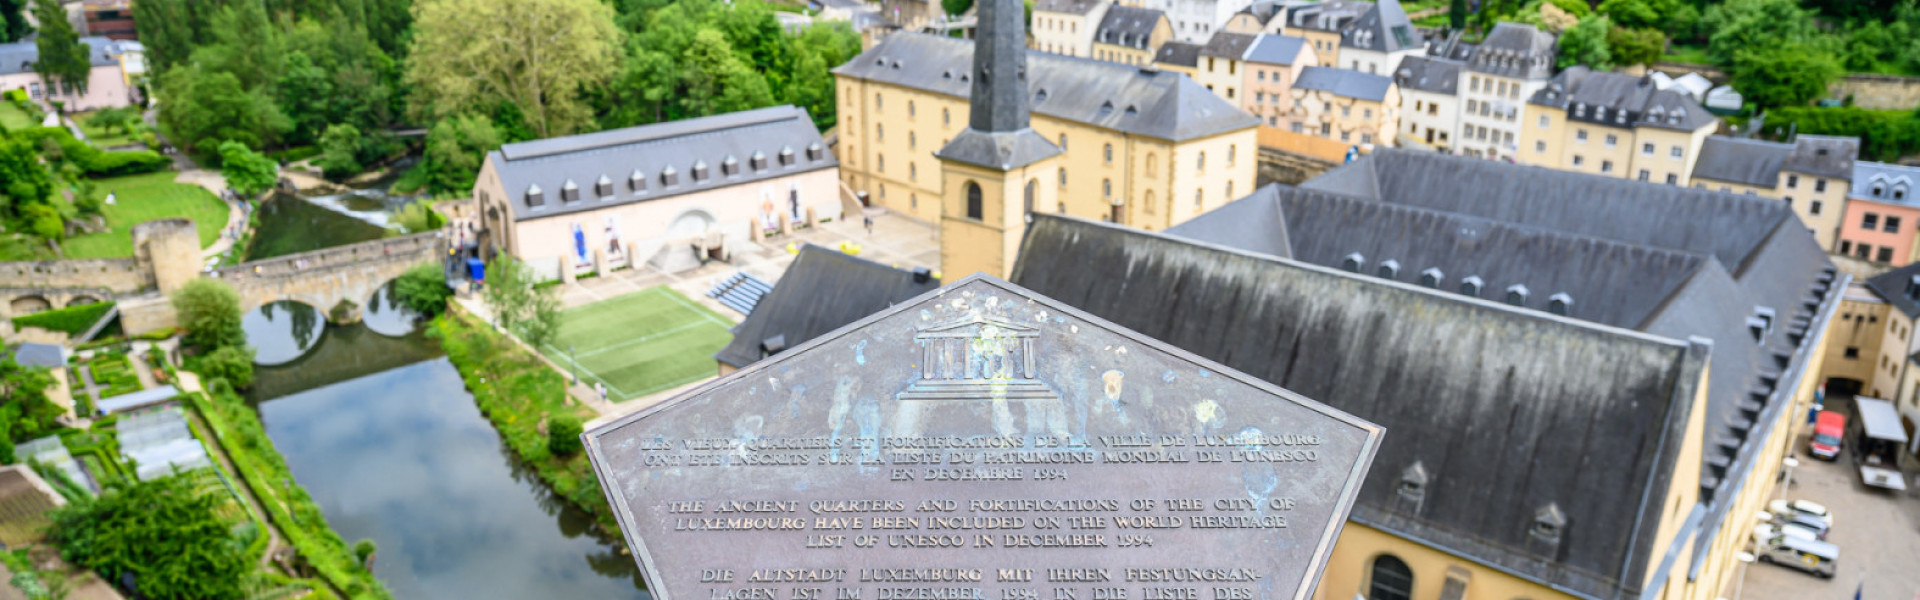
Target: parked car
<point x="1813" y="556"/>
<point x="1764" y="532"/>
<point x="1829" y="428"/>
<point x="1803" y="507"/>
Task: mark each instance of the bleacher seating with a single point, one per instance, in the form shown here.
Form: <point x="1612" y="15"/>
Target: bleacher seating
<point x="740" y="292"/>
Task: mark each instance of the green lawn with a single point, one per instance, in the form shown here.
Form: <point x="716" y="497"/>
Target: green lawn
<point x="142" y="198"/>
<point x="1681" y="53"/>
<point x="13" y="118"/>
<point x="98" y="136"/>
<point x="641" y="343"/>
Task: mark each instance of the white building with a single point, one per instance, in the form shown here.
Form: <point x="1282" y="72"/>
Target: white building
<point x="1429" y="101"/>
<point x="1379" y="39"/>
<point x="1194" y="21"/>
<point x="1515" y="61"/>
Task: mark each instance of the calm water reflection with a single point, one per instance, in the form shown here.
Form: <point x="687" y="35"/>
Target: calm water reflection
<point x="398" y="453"/>
<point x="385" y="314"/>
<point x="282" y="331"/>
<point x="290" y="224"/>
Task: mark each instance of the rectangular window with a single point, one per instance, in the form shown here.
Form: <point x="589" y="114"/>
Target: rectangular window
<point x="1813" y="207"/>
<point x="1298" y="127"/>
<point x="1676" y="152"/>
<point x="1819" y="185"/>
<point x="1366" y="113"/>
<point x="1259" y="97"/>
<point x="1540" y="147"/>
<point x="1863" y="250"/>
<point x="1577" y="160"/>
<point x="1869" y="221"/>
<point x="1612" y="140"/>
<point x="1503" y="88"/>
<point x="1260" y="75"/>
<point x="1893" y="224"/>
<point x="1885" y="255"/>
<point x="1606" y="166"/>
<point x="1543" y="121"/>
<point x="1673" y="179"/>
<point x="1472" y="105"/>
<point x="1644" y="174"/>
<point x="1366" y="138"/>
<point x="1793" y="181"/>
<point x="1346" y="111"/>
<point x="1473" y="83"/>
<point x="1580" y="136"/>
<point x="1647" y="149"/>
<point x="1846" y="246"/>
<point x="1853" y="352"/>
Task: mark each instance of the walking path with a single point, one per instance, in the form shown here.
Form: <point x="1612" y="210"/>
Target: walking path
<point x="236" y="214"/>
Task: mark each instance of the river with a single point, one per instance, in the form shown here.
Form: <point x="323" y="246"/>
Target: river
<point x="380" y="430"/>
<point x="290" y="223"/>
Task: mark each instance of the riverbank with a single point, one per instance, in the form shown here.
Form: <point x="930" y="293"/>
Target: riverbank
<point x="518" y="393"/>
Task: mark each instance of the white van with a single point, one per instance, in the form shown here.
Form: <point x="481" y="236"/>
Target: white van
<point x="1813" y="556"/>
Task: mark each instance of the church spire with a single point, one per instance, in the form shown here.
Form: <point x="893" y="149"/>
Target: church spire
<point x="999" y="94"/>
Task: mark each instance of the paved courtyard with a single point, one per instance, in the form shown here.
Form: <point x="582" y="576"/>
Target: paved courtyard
<point x="1878" y="534"/>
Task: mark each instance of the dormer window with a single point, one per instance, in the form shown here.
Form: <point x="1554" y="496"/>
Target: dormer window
<point x="1389" y="269"/>
<point x="637" y="182"/>
<point x="603" y="187"/>
<point x="1517" y="295"/>
<point x="699" y="171"/>
<point x="1354" y="262"/>
<point x="1549" y="523"/>
<point x="535" y="198"/>
<point x="1472" y="285"/>
<point x="758" y="161"/>
<point x="1913" y="288"/>
<point x="1413" y="481"/>
<point x="569" y="192"/>
<point x="1432" y="277"/>
<point x="786" y="156"/>
<point x="815" y="152"/>
<point x="669" y="176"/>
<point x="1559" y="303"/>
<point x="729" y="167"/>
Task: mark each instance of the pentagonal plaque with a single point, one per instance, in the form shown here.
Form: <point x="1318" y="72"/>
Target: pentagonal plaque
<point x="983" y="443"/>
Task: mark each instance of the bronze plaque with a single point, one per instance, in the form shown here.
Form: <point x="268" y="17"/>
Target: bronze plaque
<point x="981" y="442"/>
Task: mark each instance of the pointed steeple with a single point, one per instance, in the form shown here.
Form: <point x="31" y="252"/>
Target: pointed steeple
<point x="999" y="134"/>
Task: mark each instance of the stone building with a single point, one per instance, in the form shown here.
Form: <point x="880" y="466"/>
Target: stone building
<point x="1811" y="174"/>
<point x="1143" y="147"/>
<point x="1067" y="26"/>
<point x="1194" y="21"/>
<point x="1643" y="401"/>
<point x="1502" y="72"/>
<point x="1882" y="215"/>
<point x="1614" y="124"/>
<point x="107" y="83"/>
<point x="1345" y="105"/>
<point x="1130" y="35"/>
<point x="1429" y="101"/>
<point x="616" y="198"/>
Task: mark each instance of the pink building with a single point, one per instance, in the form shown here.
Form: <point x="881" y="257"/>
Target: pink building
<point x="1882" y="216"/>
<point x="106" y="85"/>
<point x="1273" y="63"/>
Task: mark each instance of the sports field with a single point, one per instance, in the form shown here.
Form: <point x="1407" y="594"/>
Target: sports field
<point x="644" y="342"/>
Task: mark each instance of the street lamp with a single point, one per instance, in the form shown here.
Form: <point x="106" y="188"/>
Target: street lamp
<point x="1745" y="558"/>
<point x="1789" y="463"/>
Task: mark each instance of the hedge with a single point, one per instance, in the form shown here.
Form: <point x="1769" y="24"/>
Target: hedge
<point x="94" y="161"/>
<point x="74" y="320"/>
<point x="1885" y="135"/>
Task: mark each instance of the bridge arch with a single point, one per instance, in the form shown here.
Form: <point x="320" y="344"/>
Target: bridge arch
<point x="323" y="278"/>
<point x="82" y="300"/>
<point x="27" y="304"/>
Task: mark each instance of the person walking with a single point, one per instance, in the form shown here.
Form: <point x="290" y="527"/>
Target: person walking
<point x="600" y="388"/>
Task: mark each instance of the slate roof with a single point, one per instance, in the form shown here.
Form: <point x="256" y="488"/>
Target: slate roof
<point x="1383" y="28"/>
<point x="650" y="151"/>
<point x="1344" y="82"/>
<point x="1328" y="16"/>
<point x="1163" y="105"/>
<point x="1759" y="162"/>
<point x="1227" y="44"/>
<point x="1880" y="182"/>
<point x="18" y="57"/>
<point x="1621" y="100"/>
<point x="1077" y="7"/>
<point x="1178" y="53"/>
<point x="1514" y="50"/>
<point x="39" y="355"/>
<point x="1429" y="74"/>
<point x="821" y="291"/>
<point x="1270" y="49"/>
<point x="1900" y="288"/>
<point x="1001" y="150"/>
<point x="1128" y="26"/>
<point x="1409" y="358"/>
<point x="1640" y="262"/>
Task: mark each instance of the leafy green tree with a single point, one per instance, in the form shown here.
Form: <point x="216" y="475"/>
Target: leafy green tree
<point x="1586" y="44"/>
<point x="455" y="149"/>
<point x="364" y="550"/>
<point x="123" y="118"/>
<point x="167" y="29"/>
<point x="956" y="7"/>
<point x="209" y="311"/>
<point x="248" y="173"/>
<point x="1789" y="74"/>
<point x="24" y="181"/>
<point x="1752" y="24"/>
<point x="563" y="435"/>
<point x="200" y="109"/>
<point x="64" y="59"/>
<point x="423" y="289"/>
<point x="13" y="21"/>
<point x="232" y="363"/>
<point x="718" y="81"/>
<point x="1457" y="15"/>
<point x="526" y="311"/>
<point x="340" y="151"/>
<point x="169" y="533"/>
<point x="535" y="54"/>
<point x="26" y="412"/>
<point x="244" y="43"/>
<point x="419" y="217"/>
<point x="1635" y="46"/>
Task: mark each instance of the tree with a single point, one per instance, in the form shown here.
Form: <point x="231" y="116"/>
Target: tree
<point x="535" y="54"/>
<point x="245" y="43"/>
<point x="526" y="311"/>
<point x="199" y="109"/>
<point x="340" y="151"/>
<point x="64" y="59"/>
<point x="956" y="7"/>
<point x="25" y="182"/>
<point x="1635" y="46"/>
<point x="26" y="412"/>
<point x="169" y="533"/>
<point x="455" y="149"/>
<point x="423" y="289"/>
<point x="364" y="550"/>
<point x="719" y="82"/>
<point x="1789" y="74"/>
<point x="123" y="118"/>
<point x="232" y="363"/>
<point x="1586" y="44"/>
<point x="247" y="172"/>
<point x="1753" y="24"/>
<point x="13" y="21"/>
<point x="563" y="435"/>
<point x="1457" y="15"/>
<point x="209" y="310"/>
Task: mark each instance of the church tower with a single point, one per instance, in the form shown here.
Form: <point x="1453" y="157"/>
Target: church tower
<point x="997" y="170"/>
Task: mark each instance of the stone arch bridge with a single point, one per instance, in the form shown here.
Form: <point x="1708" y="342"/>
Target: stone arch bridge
<point x="323" y="278"/>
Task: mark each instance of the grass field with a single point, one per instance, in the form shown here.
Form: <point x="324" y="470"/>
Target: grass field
<point x="141" y="198"/>
<point x="641" y="343"/>
<point x="100" y="136"/>
<point x="12" y="117"/>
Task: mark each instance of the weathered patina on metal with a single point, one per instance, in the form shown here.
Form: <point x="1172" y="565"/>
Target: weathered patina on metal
<point x="983" y="443"/>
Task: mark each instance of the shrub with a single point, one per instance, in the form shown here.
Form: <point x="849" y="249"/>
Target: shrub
<point x="171" y="531"/>
<point x="74" y="320"/>
<point x="231" y="363"/>
<point x="1885" y="135"/>
<point x="563" y="435"/>
<point x="423" y="289"/>
<point x="209" y="310"/>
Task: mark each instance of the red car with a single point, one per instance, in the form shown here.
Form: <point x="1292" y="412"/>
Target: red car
<point x="1828" y="428"/>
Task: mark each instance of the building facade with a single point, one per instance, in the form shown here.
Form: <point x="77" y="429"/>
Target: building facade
<point x="111" y="19"/>
<point x="1179" y="57"/>
<point x="1194" y="21"/>
<point x="1144" y="148"/>
<point x="1272" y="64"/>
<point x="1882" y="215"/>
<point x="1874" y="351"/>
<point x="1130" y="36"/>
<point x="1515" y="61"/>
<point x="1429" y="102"/>
<point x="107" y="82"/>
<point x="1377" y="41"/>
<point x="1614" y="124"/>
<point x="1264" y="16"/>
<point x="1811" y="174"/>
<point x="1322" y="23"/>
<point x="1067" y="26"/>
<point x="1219" y="65"/>
<point x="1345" y="105"/>
<point x="624" y="197"/>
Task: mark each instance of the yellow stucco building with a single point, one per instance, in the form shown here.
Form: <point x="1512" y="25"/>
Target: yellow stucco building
<point x="1874" y="351"/>
<point x="1066" y="26"/>
<point x="1130" y="35"/>
<point x="1811" y="174"/>
<point x="1141" y="147"/>
<point x="1614" y="124"/>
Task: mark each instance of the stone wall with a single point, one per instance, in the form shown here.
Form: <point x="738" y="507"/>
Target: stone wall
<point x="322" y="278"/>
<point x="1278" y="166"/>
<point x="1869" y="90"/>
<point x="121" y="275"/>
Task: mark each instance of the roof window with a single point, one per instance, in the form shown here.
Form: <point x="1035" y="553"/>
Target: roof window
<point x="534" y="196"/>
<point x="1472" y="285"/>
<point x="1517" y="295"/>
<point x="603" y="187"/>
<point x="1389" y="269"/>
<point x="729" y="167"/>
<point x="637" y="182"/>
<point x="1432" y="277"/>
<point x="1354" y="262"/>
<point x="699" y="171"/>
<point x="1560" y="303"/>
<point x="570" y="192"/>
<point x="758" y="161"/>
<point x="669" y="176"/>
<point x="815" y="152"/>
<point x="786" y="156"/>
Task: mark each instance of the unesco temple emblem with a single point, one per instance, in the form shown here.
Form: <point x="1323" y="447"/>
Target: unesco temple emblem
<point x="978" y="359"/>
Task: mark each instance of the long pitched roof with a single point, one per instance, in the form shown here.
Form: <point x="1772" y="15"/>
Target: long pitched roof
<point x="1514" y="50"/>
<point x="1344" y="82"/>
<point x="1429" y="74"/>
<point x="1227" y="44"/>
<point x="821" y="291"/>
<point x="1179" y="54"/>
<point x="781" y="139"/>
<point x="1882" y="182"/>
<point x="1383" y="28"/>
<point x="1900" y="288"/>
<point x="1621" y="100"/>
<point x="18" y="57"/>
<point x="1152" y="103"/>
<point x="1759" y="162"/>
<point x="1078" y="7"/>
<point x="1407" y="358"/>
<point x="1273" y="49"/>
